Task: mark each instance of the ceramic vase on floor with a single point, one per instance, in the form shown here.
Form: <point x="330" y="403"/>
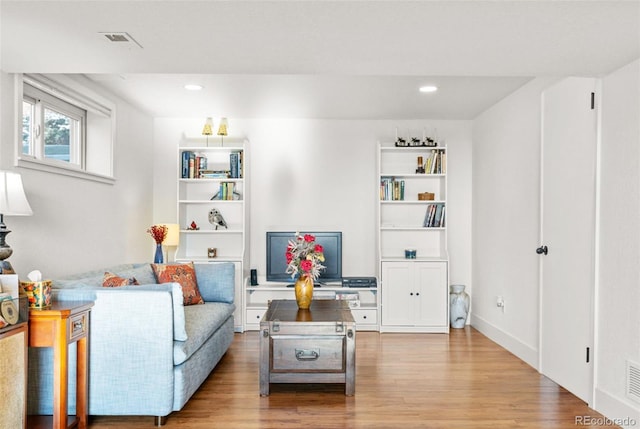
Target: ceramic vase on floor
<point x="304" y="291"/>
<point x="458" y="306"/>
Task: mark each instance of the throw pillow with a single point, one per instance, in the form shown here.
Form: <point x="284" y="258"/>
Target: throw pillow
<point x="113" y="280"/>
<point x="184" y="274"/>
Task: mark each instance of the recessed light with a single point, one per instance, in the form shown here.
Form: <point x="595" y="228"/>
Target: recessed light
<point x="428" y="88"/>
<point x="192" y="87"/>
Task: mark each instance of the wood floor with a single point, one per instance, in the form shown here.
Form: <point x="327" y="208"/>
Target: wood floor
<point x="461" y="380"/>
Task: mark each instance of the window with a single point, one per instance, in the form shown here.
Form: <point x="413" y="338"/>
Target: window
<point x="63" y="130"/>
<point x="52" y="129"/>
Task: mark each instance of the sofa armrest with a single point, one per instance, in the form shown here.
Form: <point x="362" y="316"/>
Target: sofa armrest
<point x="131" y="349"/>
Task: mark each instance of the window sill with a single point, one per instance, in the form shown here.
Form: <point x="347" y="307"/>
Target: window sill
<point x="35" y="164"/>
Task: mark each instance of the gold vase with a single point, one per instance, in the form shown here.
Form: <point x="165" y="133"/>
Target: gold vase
<point x="304" y="291"/>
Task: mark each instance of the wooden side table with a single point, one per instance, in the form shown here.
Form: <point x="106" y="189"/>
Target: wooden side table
<point x="58" y="326"/>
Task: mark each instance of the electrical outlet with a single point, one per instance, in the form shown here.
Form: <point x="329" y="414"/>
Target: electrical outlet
<point x="500" y="302"/>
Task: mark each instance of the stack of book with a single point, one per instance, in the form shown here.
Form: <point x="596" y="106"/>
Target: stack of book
<point x="192" y="164"/>
<point x="236" y="165"/>
<point x="435" y="216"/>
<point x="436" y="162"/>
<point x="391" y="189"/>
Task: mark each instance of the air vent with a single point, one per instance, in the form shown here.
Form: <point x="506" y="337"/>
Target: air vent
<point x="633" y="381"/>
<point x="120" y="38"/>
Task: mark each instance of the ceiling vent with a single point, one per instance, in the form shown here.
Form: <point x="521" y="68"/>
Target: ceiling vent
<point x="633" y="381"/>
<point x="121" y="38"/>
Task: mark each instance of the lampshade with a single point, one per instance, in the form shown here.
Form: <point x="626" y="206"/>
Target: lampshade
<point x="13" y="201"/>
<point x="173" y="235"/>
<point x="222" y="130"/>
<point x="208" y="127"/>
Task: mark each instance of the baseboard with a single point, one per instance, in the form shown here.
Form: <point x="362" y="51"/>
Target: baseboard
<point x="507" y="341"/>
<point x="619" y="411"/>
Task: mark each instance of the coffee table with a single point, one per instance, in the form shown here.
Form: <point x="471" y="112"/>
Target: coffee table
<point x="308" y="346"/>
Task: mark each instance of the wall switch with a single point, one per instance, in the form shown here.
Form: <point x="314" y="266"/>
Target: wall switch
<point x="500" y="302"/>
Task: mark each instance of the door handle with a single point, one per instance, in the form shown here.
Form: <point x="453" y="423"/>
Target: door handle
<point x="542" y="250"/>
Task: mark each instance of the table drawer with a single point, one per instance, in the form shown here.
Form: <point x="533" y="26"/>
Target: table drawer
<point x="299" y="354"/>
<point x="78" y="326"/>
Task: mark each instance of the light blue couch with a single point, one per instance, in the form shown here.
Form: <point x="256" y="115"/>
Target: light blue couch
<point x="148" y="353"/>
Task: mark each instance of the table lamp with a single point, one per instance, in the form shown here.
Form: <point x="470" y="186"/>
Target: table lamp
<point x="13" y="202"/>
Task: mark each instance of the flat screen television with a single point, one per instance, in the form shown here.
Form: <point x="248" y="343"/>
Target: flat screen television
<point x="277" y="242"/>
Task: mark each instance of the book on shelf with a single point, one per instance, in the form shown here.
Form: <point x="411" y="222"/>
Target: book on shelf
<point x="227" y="191"/>
<point x="434" y="216"/>
<point x="391" y="189"/>
<point x="236" y="165"/>
<point x="436" y="162"/>
<point x="192" y="164"/>
<point x="214" y="174"/>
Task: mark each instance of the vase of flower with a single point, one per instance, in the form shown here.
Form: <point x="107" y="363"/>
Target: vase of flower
<point x="458" y="306"/>
<point x="158" y="258"/>
<point x="304" y="262"/>
<point x="159" y="233"/>
<point x="304" y="291"/>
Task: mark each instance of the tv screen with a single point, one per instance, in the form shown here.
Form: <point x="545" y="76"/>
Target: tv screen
<point x="277" y="261"/>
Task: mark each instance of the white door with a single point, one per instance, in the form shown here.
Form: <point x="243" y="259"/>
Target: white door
<point x="569" y="131"/>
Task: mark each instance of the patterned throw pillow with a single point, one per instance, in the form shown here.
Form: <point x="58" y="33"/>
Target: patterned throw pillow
<point x="184" y="274"/>
<point x="113" y="280"/>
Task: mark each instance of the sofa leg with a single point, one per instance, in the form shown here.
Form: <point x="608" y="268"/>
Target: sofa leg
<point x="160" y="420"/>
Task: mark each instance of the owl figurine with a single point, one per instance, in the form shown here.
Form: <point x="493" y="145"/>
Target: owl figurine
<point x="216" y="219"/>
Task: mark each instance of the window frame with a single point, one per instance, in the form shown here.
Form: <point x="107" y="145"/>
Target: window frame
<point x="67" y="96"/>
<point x="42" y="101"/>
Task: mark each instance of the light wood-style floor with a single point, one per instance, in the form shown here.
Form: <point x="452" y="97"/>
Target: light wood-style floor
<point x="461" y="380"/>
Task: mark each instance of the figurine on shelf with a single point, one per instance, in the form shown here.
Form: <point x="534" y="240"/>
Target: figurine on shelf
<point x="415" y="141"/>
<point x="194" y="226"/>
<point x="400" y="142"/>
<point x="216" y="219"/>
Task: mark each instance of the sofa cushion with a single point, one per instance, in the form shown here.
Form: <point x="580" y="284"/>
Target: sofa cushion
<point x="216" y="281"/>
<point x="183" y="274"/>
<point x="201" y="321"/>
<point x="112" y="280"/>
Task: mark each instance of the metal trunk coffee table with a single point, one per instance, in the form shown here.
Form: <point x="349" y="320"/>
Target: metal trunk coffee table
<point x="308" y="346"/>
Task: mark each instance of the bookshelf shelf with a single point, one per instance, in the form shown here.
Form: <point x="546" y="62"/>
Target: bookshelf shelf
<point x="195" y="190"/>
<point x="414" y="292"/>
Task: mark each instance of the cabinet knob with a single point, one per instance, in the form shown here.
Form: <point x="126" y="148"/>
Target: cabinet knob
<point x="411" y="293"/>
<point x="417" y="293"/>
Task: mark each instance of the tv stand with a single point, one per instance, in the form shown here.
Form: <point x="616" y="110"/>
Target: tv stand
<point x="315" y="284"/>
<point x="364" y="300"/>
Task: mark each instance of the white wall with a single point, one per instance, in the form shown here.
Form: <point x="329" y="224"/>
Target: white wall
<point x="506" y="220"/>
<point x="78" y="224"/>
<point x="321" y="175"/>
<point x="618" y="316"/>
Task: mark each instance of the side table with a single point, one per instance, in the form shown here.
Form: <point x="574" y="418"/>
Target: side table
<point x="58" y="326"/>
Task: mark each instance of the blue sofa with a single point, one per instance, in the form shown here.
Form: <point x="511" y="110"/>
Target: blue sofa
<point x="148" y="353"/>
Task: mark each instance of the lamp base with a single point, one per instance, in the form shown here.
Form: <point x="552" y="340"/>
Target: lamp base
<point x="6" y="268"/>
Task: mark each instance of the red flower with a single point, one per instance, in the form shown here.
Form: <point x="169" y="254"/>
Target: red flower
<point x="158" y="232"/>
<point x="318" y="248"/>
<point x="309" y="238"/>
<point x="289" y="257"/>
<point x="306" y="265"/>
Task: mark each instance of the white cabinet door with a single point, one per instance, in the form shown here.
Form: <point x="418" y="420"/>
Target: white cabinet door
<point x="398" y="306"/>
<point x="432" y="295"/>
<point x="415" y="295"/>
